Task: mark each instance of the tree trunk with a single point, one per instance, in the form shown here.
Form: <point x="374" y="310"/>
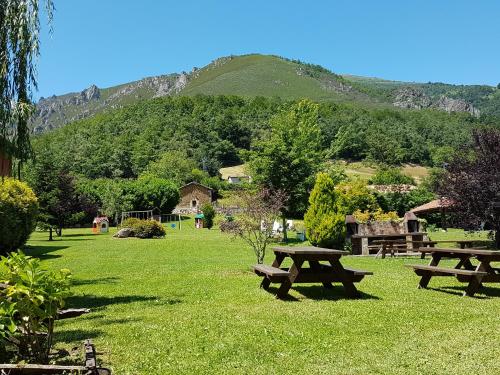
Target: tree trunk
<point x="59" y="232"/>
<point x="285" y="236"/>
<point x="50" y="234"/>
<point x="497" y="239"/>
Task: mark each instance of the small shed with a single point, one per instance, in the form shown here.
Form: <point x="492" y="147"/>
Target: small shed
<point x="193" y="196"/>
<point x="199" y="220"/>
<point x="100" y="224"/>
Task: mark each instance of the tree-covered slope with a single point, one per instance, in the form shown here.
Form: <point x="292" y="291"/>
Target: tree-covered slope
<point x="216" y="131"/>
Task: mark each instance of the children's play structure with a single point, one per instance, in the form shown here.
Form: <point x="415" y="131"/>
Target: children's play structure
<point x="100" y="224"/>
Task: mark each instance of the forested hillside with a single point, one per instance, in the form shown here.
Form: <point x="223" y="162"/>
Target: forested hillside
<point x="216" y="131"/>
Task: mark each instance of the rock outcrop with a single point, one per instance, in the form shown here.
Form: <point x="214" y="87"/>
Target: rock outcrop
<point x="415" y="98"/>
<point x="455" y="105"/>
<point x="56" y="111"/>
<point x="411" y="98"/>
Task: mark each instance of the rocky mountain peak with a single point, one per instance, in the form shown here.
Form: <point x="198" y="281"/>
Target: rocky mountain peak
<point x="91" y="93"/>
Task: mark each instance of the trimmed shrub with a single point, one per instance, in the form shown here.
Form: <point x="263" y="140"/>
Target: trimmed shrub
<point x="209" y="214"/>
<point x="149" y="229"/>
<point x="144" y="228"/>
<point x="18" y="212"/>
<point x="130" y="222"/>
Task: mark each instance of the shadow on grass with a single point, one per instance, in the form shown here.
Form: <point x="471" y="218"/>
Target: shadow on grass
<point x="77" y="235"/>
<point x="43" y="252"/>
<point x="99" y="280"/>
<point x="483" y="293"/>
<point x="98" y="302"/>
<point x="320" y="293"/>
<point x="76" y="335"/>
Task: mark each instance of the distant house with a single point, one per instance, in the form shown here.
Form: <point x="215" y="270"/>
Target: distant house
<point x="238" y="179"/>
<point x="235" y="175"/>
<point x="193" y="196"/>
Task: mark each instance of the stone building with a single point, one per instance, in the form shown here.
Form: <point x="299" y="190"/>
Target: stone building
<point x="193" y="196"/>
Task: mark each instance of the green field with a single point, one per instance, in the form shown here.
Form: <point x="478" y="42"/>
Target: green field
<point x="189" y="304"/>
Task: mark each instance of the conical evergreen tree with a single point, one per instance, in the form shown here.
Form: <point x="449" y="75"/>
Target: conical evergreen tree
<point x="325" y="226"/>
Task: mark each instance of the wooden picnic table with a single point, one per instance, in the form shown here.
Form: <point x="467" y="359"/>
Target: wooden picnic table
<point x="465" y="271"/>
<point x="387" y="245"/>
<point x="315" y="273"/>
<point x="432" y="243"/>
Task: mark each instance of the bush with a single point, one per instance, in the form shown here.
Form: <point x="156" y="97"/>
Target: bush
<point x="29" y="306"/>
<point x="130" y="222"/>
<point x="144" y="228"/>
<point x="149" y="229"/>
<point x="18" y="212"/>
<point x="391" y="176"/>
<point x="209" y="214"/>
<point x="378" y="215"/>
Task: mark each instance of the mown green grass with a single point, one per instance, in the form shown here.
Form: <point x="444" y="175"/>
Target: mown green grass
<point x="189" y="304"/>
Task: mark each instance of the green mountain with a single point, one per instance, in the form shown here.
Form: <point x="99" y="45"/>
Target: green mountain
<point x="268" y="76"/>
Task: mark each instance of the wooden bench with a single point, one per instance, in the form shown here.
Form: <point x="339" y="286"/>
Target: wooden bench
<point x="273" y="274"/>
<point x="442" y="271"/>
<point x="358" y="272"/>
<point x="465" y="271"/>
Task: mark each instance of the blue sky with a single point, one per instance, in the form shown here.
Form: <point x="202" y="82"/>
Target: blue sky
<point x="107" y="42"/>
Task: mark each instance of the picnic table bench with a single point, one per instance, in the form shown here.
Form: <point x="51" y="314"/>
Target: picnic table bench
<point x="432" y="243"/>
<point x="315" y="273"/>
<point x="388" y="245"/>
<point x="464" y="271"/>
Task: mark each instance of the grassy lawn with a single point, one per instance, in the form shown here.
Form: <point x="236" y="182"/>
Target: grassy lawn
<point x="189" y="304"/>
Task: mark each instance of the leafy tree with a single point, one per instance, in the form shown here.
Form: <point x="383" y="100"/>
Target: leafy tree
<point x="19" y="43"/>
<point x="254" y="224"/>
<point x="288" y="159"/>
<point x="60" y="202"/>
<point x="472" y="183"/>
<point x="175" y="166"/>
<point x="152" y="192"/>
